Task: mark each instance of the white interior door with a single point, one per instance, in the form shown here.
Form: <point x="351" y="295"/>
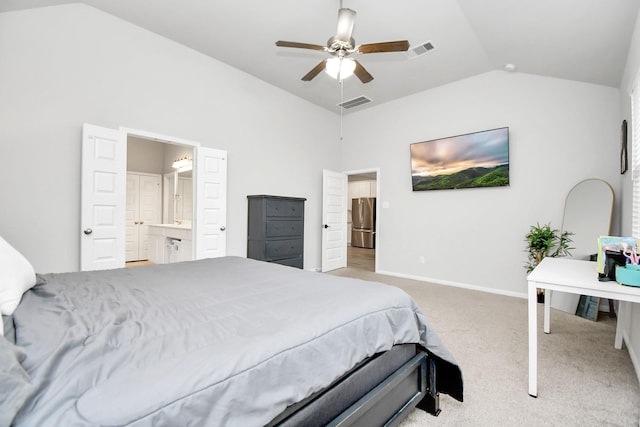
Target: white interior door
<point x="104" y="159"/>
<point x="334" y="220"/>
<point x="148" y="211"/>
<point x="131" y="219"/>
<point x="211" y="203"/>
<point x="142" y="209"/>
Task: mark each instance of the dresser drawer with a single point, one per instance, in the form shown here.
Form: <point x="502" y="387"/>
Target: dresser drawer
<point x="275" y="229"/>
<point x="284" y="228"/>
<point x="279" y="249"/>
<point x="290" y="262"/>
<point x="284" y="208"/>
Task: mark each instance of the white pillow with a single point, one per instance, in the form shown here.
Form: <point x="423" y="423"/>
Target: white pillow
<point x="16" y="277"/>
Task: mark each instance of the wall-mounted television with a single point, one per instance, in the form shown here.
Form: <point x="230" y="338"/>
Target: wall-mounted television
<point x="472" y="160"/>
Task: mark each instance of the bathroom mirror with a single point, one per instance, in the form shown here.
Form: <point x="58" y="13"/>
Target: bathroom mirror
<point x="587" y="214"/>
<point x="179" y="197"/>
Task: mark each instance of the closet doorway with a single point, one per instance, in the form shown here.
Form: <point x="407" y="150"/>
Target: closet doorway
<point x="362" y="216"/>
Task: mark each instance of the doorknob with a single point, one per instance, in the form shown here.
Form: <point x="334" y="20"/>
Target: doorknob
<point x="88" y="231"/>
<point x="325" y="226"/>
<point x="223" y="228"/>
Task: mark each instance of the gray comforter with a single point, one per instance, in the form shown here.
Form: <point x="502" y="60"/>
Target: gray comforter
<point x="226" y="341"/>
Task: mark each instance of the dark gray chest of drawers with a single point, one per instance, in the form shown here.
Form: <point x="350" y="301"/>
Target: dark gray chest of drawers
<point x="275" y="230"/>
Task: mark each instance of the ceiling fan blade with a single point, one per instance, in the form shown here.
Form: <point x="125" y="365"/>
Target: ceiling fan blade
<point x="361" y="73"/>
<point x="397" y="46"/>
<point x="282" y="43"/>
<point x="315" y="71"/>
<point x="346" y="22"/>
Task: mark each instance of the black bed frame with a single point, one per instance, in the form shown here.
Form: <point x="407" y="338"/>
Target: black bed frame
<point x="381" y="391"/>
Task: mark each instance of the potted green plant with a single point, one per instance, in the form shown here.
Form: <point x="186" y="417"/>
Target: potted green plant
<point x="543" y="241"/>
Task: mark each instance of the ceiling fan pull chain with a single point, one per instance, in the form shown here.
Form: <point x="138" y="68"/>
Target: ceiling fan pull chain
<point x="341" y="82"/>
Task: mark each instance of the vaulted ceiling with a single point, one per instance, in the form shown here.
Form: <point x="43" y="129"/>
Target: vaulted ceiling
<point x="583" y="40"/>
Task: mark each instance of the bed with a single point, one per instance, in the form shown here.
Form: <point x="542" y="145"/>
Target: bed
<point x="225" y="341"/>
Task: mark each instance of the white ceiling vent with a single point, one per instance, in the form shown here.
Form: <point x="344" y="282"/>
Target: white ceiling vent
<point x="355" y="102"/>
<point x="420" y="50"/>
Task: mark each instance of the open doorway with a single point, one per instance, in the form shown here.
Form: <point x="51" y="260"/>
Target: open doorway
<point x="362" y="220"/>
<point x="158" y="193"/>
<point x="103" y="201"/>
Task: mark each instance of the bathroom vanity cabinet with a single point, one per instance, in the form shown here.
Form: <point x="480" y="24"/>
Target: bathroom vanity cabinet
<point x="170" y="243"/>
<point x="275" y="231"/>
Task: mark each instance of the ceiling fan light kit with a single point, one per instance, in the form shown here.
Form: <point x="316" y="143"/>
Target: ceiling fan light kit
<point x="341" y="46"/>
<point x="340" y="68"/>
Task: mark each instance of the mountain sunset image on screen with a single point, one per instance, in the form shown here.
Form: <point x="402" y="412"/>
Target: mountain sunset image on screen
<point x="479" y="159"/>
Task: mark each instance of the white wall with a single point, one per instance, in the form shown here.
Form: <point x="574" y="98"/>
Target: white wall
<point x="561" y="132"/>
<point x="66" y="65"/>
<point x="146" y="156"/>
<point x="631" y="73"/>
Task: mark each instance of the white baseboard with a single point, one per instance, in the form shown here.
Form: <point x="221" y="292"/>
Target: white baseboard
<point x="455" y="284"/>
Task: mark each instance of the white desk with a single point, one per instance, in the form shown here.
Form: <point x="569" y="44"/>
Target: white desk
<point x="577" y="277"/>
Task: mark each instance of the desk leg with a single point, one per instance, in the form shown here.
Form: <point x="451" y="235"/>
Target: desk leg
<point x="533" y="340"/>
<point x="621" y="321"/>
<point x="547" y="310"/>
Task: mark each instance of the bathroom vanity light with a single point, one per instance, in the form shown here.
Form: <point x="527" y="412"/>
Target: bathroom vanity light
<point x="183" y="164"/>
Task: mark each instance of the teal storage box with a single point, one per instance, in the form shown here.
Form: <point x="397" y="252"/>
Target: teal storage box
<point x="628" y="275"/>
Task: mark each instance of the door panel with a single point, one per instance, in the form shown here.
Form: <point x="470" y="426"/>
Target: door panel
<point x="334" y="220"/>
<point x="102" y="238"/>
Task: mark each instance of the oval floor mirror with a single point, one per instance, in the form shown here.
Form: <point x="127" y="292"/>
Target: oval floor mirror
<point x="588" y="211"/>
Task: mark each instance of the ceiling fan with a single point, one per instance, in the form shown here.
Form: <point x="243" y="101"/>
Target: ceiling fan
<point x="340" y="66"/>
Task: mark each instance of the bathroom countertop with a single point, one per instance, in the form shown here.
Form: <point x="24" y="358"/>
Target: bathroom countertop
<point x="179" y="226"/>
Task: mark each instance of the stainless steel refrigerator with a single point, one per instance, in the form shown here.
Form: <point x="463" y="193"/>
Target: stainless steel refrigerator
<point x="363" y="220"/>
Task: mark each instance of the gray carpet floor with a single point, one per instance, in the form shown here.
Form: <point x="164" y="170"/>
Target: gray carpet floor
<point x="582" y="379"/>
